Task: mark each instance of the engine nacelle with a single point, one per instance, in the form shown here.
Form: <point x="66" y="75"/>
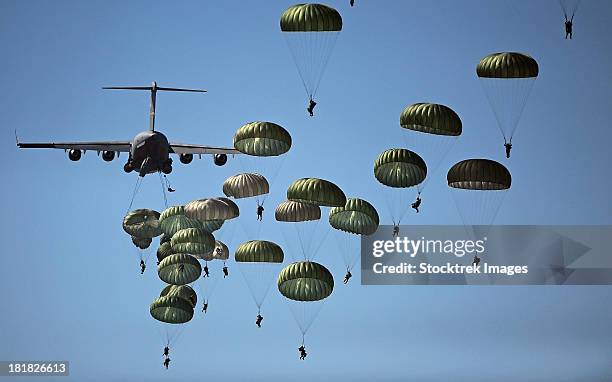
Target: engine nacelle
<point x="128" y="167"/>
<point x="108" y="155"/>
<point x="186" y="158"/>
<point x="74" y="155"/>
<point x="220" y="159"/>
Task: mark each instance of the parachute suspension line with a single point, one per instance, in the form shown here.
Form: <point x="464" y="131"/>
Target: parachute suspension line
<point x="140" y="253"/>
<point x="301" y="241"/>
<point x="318" y="247"/>
<point x="208" y="285"/>
<point x="572" y="10"/>
<point x="267" y="281"/>
<point x="326" y="53"/>
<point x="491" y="100"/>
<point x="275" y="172"/>
<point x="296" y="61"/>
<point x="347" y="248"/>
<point x="258" y="277"/>
<point x="173" y="334"/>
<point x="562" y="4"/>
<point x="169" y="333"/>
<point x="136" y="188"/>
<point x="251" y="290"/>
<point x="306" y="238"/>
<point x="144" y="254"/>
<point x="163" y="186"/>
<point x="432" y="148"/>
<point x="484" y="208"/>
<point x="403" y="210"/>
<point x="390" y="208"/>
<point x="508" y="98"/>
<point x="311" y="52"/>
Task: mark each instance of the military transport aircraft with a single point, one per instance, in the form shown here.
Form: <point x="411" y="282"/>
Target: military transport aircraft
<point x="148" y="151"/>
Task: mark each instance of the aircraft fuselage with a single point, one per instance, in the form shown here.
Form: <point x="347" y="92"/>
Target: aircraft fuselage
<point x="150" y="153"/>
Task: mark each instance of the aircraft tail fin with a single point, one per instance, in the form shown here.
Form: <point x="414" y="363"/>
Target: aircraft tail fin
<point x="153" y="89"/>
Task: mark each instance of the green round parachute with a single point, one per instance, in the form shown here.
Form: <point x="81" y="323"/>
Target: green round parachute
<point x="259" y="251"/>
<point x="507" y="79"/>
<point x="507" y="65"/>
<point x="173" y="219"/>
<point x="400" y="168"/>
<point x="357" y="216"/>
<point x="183" y="291"/>
<point x="164" y="250"/>
<point x="193" y="241"/>
<point x="179" y="269"/>
<point x="212" y="209"/>
<point x="171" y="310"/>
<point x="262" y="139"/>
<point x="305" y="281"/>
<point x="310" y="18"/>
<point x="245" y="185"/>
<point x="290" y="211"/>
<point x="221" y="251"/>
<point x="311" y="31"/>
<point x="142" y="223"/>
<point x="479" y="174"/>
<point x="431" y="118"/>
<point x="142" y="243"/>
<point x="316" y="191"/>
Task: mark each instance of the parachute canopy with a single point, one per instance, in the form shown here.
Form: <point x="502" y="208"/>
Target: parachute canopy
<point x="172" y="310"/>
<point x="507" y="65"/>
<point x="212" y="209"/>
<point x="259" y="251"/>
<point x="183" y="291"/>
<point x="179" y="269"/>
<point x="142" y="243"/>
<point x="290" y="211"/>
<point x="142" y="223"/>
<point x="305" y="281"/>
<point x="316" y="191"/>
<point x="310" y="18"/>
<point x="262" y="139"/>
<point x="164" y="250"/>
<point x="194" y="241"/>
<point x="173" y="219"/>
<point x="245" y="185"/>
<point x="400" y="168"/>
<point x="431" y="118"/>
<point x="357" y="216"/>
<point x="479" y="174"/>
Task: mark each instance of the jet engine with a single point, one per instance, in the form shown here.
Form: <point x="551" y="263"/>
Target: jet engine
<point x="74" y="155"/>
<point x="186" y="158"/>
<point x="220" y="159"/>
<point x="108" y="155"/>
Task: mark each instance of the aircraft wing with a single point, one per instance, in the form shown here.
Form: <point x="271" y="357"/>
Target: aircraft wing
<point x="118" y="146"/>
<point x="181" y="148"/>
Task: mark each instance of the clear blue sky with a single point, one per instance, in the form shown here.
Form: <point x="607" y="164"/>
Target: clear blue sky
<point x="72" y="289"/>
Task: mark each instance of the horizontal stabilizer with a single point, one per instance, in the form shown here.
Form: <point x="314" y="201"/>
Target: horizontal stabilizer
<point x="182" y="90"/>
<point x="151" y="88"/>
